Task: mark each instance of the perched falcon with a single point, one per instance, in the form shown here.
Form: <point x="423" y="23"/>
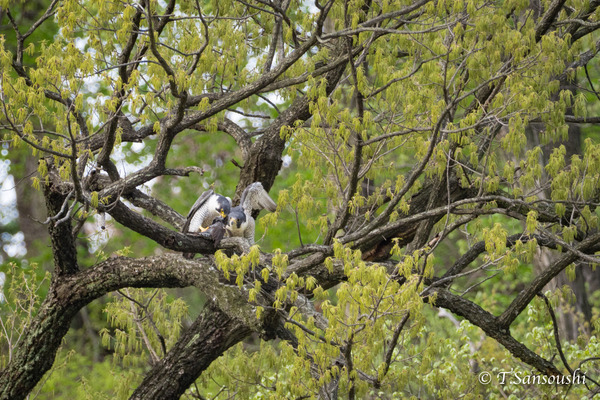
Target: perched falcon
<point x="240" y="222"/>
<point x="205" y="210"/>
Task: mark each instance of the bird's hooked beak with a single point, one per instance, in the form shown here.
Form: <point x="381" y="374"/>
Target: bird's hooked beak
<point x="222" y="212"/>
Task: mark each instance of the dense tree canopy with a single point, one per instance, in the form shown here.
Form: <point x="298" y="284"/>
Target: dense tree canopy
<point x="436" y="168"/>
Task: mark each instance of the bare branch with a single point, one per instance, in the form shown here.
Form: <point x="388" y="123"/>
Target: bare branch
<point x="233" y="130"/>
<point x="556" y="336"/>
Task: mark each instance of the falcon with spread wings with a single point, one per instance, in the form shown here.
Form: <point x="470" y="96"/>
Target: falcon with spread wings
<point x="240" y="222"/>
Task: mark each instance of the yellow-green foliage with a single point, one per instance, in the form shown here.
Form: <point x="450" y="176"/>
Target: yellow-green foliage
<point x="141" y="319"/>
<point x="420" y="79"/>
<point x="20" y="298"/>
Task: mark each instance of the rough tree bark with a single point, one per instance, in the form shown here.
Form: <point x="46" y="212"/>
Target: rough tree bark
<point x="70" y="293"/>
<point x="230" y="318"/>
<point x="206" y="339"/>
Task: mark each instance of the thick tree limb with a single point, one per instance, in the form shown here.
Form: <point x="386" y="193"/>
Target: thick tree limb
<point x="156" y="207"/>
<point x="68" y="295"/>
<point x="548" y="18"/>
<point x="63" y="245"/>
<point x="264" y="159"/>
<point x="235" y="131"/>
<point x="191" y="355"/>
<point x="486" y="321"/>
<point x="526" y="295"/>
<point x="167" y="238"/>
<point x="576" y="30"/>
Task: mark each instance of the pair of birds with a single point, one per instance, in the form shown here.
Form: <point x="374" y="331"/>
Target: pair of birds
<point x="213" y="213"/>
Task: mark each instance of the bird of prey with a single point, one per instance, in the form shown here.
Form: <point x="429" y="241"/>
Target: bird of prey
<point x="240" y="222"/>
<point x="205" y="210"/>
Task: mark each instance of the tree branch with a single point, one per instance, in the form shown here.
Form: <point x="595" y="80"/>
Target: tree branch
<point x="525" y="296"/>
<point x="548" y="18"/>
<point x="486" y="321"/>
<point x="191" y="356"/>
<point x="556" y="336"/>
<point x="68" y="295"/>
<point x="63" y="245"/>
<point x="167" y="238"/>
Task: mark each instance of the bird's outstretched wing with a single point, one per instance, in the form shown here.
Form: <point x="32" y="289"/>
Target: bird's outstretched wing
<point x="255" y="197"/>
<point x="195" y="208"/>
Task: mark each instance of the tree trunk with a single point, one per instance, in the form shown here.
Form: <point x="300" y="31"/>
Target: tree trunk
<point x="35" y="354"/>
<point x="207" y="338"/>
